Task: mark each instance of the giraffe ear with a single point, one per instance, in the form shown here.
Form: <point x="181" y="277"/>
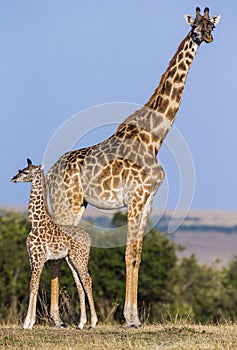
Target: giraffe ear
<point x="215" y="20"/>
<point x="189" y="19"/>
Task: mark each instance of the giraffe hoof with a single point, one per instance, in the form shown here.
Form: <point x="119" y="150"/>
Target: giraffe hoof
<point x="131" y="325"/>
<point x="60" y="325"/>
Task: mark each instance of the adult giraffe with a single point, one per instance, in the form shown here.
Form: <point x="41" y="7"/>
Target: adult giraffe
<point x="123" y="171"/>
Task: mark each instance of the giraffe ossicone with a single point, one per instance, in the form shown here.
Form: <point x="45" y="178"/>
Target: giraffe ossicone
<point x="50" y="241"/>
<point x="123" y="171"/>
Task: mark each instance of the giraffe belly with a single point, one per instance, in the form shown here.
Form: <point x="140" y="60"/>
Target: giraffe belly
<point x="113" y="199"/>
<point x="52" y="254"/>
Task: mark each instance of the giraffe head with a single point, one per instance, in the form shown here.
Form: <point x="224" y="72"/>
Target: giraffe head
<point x="27" y="174"/>
<point x="202" y="26"/>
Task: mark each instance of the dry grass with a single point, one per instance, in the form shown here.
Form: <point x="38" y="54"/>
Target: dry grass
<point x="180" y="337"/>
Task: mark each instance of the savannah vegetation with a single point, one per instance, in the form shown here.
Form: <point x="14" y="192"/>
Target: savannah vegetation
<point x="148" y="337"/>
<point x="179" y="300"/>
<point x="169" y="289"/>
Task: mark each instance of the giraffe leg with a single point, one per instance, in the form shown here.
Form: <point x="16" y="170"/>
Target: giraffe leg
<point x="81" y="293"/>
<point x="87" y="284"/>
<point x="34" y="287"/>
<point x="136" y="227"/>
<point x="133" y="259"/>
<point x="54" y="304"/>
<point x="79" y="215"/>
<point x="85" y="279"/>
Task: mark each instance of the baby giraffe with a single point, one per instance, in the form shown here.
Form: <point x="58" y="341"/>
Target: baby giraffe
<point x="49" y="241"/>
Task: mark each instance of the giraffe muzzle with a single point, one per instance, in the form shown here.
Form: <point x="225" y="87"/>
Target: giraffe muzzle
<point x="208" y="38"/>
<point x="14" y="179"/>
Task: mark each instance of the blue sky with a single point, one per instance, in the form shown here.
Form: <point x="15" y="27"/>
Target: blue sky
<point x="61" y="57"/>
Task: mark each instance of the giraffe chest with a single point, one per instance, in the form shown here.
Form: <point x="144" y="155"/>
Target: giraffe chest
<point x="48" y="241"/>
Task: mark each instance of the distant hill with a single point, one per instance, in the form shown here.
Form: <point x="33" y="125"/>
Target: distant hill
<point x="210" y="235"/>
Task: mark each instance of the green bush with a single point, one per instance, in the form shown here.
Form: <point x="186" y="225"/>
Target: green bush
<point x="15" y="271"/>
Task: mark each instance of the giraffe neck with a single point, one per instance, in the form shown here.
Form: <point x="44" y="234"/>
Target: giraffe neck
<point x="166" y="99"/>
<point x="156" y="117"/>
<point x="38" y="209"/>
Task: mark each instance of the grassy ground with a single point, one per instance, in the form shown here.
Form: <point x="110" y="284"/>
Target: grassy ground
<point x="182" y="337"/>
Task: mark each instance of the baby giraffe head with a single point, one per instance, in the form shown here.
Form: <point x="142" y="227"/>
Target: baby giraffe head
<point x="202" y="26"/>
<point x="28" y="174"/>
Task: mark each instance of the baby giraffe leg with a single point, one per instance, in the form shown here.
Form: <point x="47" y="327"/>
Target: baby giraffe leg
<point x="81" y="293"/>
<point x="87" y="284"/>
<point x="34" y="287"/>
<point x="85" y="278"/>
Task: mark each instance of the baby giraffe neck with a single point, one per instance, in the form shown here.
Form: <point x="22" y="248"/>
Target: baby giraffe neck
<point x="38" y="209"/>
